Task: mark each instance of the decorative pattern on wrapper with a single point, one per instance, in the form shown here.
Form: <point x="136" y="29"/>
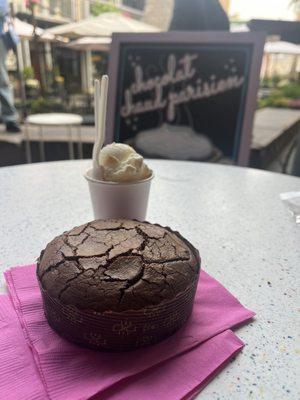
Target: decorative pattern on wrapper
<point x="138" y="329"/>
<point x="145" y="340"/>
<point x="173" y="319"/>
<point x="151" y="313"/>
<point x="119" y="331"/>
<point x="124" y="328"/>
<point x="150" y="326"/>
<point x="95" y="339"/>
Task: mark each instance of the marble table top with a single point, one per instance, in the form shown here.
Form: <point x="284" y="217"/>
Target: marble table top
<point x="246" y="236"/>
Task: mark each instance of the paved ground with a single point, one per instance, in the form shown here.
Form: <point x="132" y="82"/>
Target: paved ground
<point x="51" y="134"/>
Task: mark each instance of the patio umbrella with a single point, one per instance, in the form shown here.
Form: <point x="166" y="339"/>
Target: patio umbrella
<point x="103" y="25"/>
<point x="282" y="48"/>
<point x="90" y="43"/>
<point x="25" y="31"/>
<point x="274" y="49"/>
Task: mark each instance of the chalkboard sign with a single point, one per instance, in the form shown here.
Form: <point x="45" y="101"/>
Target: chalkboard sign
<point x="192" y="88"/>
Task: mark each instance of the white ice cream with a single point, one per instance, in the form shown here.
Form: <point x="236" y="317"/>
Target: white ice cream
<point x="121" y="163"/>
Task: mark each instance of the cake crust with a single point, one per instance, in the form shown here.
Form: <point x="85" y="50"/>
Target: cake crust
<point x="117" y="266"/>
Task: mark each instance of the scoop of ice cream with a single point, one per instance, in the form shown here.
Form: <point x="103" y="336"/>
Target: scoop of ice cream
<point x="121" y="163"/>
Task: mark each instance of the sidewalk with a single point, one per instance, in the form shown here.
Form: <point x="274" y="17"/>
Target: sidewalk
<point x="13" y="146"/>
<point x="50" y="134"/>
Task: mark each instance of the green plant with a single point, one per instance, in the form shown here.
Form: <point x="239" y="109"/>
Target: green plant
<point x="28" y="73"/>
<point x="291" y="90"/>
<point x="276" y="80"/>
<point x="56" y="70"/>
<point x="272" y="82"/>
<point x="273" y="101"/>
<point x="281" y="96"/>
<point x="98" y="8"/>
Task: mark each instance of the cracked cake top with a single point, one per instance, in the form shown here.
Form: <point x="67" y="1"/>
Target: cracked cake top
<point x="117" y="265"/>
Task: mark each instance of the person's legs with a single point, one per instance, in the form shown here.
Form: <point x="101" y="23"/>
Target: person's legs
<point x="8" y="110"/>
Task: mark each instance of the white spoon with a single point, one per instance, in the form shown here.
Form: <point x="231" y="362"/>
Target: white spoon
<point x="100" y="101"/>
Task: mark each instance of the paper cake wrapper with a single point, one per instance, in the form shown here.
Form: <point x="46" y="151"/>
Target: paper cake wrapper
<point x="119" y="331"/>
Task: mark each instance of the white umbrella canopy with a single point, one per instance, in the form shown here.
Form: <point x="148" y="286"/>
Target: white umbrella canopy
<point x="282" y="48"/>
<point x="90" y="43"/>
<point x="103" y="25"/>
<point x="25" y="30"/>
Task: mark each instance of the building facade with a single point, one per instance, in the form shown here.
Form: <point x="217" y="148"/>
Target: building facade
<point x="157" y="15"/>
<point x="53" y="12"/>
<point x="50" y="58"/>
<point x="46" y="56"/>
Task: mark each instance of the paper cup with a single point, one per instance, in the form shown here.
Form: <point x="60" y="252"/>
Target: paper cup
<point x="119" y="200"/>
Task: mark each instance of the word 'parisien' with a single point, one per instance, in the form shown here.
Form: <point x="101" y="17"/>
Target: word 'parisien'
<point x="177" y="71"/>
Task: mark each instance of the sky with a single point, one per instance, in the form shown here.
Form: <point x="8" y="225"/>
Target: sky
<point x="268" y="9"/>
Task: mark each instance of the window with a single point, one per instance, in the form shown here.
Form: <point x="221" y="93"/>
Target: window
<point x="61" y="8"/>
<point x="137" y="4"/>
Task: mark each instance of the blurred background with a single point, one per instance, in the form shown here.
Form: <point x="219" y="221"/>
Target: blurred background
<point x="64" y="45"/>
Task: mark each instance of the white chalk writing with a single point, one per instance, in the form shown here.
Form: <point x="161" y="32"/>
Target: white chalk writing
<point x="181" y="71"/>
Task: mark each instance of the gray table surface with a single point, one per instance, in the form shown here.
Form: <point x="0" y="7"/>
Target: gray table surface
<point x="247" y="239"/>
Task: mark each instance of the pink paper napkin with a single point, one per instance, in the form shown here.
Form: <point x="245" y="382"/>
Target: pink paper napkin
<point x="183" y="376"/>
<point x="70" y="372"/>
<point x="19" y="378"/>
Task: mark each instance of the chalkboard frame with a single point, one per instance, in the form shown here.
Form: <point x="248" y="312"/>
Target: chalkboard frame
<point x="256" y="39"/>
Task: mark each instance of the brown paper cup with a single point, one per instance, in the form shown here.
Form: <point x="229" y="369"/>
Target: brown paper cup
<point x="119" y="200"/>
